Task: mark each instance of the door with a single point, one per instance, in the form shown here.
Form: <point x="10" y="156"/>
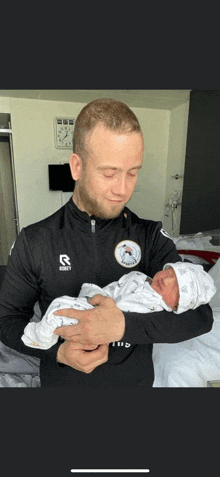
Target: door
<point x="8" y="216"/>
<point x="201" y="188"/>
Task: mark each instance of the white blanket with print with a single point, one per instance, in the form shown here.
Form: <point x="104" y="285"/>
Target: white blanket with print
<point x="132" y="292"/>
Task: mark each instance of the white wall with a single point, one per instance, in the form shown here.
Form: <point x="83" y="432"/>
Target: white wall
<point x="176" y="164"/>
<point x="33" y="142"/>
<point x="148" y="199"/>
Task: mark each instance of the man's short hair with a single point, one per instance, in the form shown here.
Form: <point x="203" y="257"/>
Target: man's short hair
<point x="112" y="114"/>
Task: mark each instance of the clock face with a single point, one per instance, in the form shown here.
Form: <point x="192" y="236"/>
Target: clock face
<point x="64" y="133"/>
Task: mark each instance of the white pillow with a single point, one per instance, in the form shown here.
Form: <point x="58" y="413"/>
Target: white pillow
<point x="214" y="272"/>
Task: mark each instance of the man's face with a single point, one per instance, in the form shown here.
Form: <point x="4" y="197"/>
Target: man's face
<point x="107" y="180"/>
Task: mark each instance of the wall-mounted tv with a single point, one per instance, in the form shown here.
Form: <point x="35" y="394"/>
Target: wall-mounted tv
<point x="60" y="177"/>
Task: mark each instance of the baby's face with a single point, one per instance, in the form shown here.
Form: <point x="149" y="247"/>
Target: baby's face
<point x="165" y="283"/>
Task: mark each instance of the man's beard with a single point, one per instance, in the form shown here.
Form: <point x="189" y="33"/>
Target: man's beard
<point x="92" y="207"/>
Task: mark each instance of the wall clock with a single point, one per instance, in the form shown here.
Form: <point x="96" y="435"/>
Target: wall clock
<point x="64" y="128"/>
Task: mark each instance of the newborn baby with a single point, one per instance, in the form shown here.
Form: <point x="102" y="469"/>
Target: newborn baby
<point x="178" y="287"/>
<point x="165" y="283"/>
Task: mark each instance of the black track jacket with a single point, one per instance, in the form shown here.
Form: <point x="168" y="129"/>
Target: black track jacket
<point x="55" y="256"/>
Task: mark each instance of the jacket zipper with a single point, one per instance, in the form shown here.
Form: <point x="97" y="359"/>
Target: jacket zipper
<point x="93" y="226"/>
<point x="96" y="252"/>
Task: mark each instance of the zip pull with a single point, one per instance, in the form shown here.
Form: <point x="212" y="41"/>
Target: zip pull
<point x="93" y="226"/>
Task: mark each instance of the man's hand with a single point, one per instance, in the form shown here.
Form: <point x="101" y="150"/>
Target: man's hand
<point x="80" y="357"/>
<point x="101" y="325"/>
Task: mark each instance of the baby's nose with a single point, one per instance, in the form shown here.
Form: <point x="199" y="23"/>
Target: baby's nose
<point x="168" y="281"/>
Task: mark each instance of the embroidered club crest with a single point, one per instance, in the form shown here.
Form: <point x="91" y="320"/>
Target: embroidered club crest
<point x="128" y="253"/>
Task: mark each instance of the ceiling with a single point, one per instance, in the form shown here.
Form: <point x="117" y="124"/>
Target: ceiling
<point x="145" y="98"/>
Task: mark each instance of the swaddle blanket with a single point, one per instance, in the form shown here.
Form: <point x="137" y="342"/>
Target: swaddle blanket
<point x="132" y="292"/>
<point x="41" y="335"/>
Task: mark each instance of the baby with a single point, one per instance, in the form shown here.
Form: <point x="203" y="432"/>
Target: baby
<point x="178" y="287"/>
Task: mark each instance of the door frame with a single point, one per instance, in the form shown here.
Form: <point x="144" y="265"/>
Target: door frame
<point x="14" y="181"/>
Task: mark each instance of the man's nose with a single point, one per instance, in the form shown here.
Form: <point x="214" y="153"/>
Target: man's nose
<point x="120" y="186"/>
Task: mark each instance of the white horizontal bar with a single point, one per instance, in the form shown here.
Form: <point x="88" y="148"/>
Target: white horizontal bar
<point x="110" y="470"/>
<point x="5" y="130"/>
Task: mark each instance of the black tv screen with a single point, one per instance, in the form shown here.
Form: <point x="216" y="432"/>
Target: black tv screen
<point x="60" y="177"/>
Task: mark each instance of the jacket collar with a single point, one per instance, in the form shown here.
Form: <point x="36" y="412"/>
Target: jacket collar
<point x="84" y="220"/>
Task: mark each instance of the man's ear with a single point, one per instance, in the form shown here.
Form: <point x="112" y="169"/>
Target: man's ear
<point x="75" y="163"/>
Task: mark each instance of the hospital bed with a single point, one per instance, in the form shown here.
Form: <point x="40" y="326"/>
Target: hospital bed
<point x="195" y="362"/>
<point x="19" y="370"/>
<point x="191" y="363"/>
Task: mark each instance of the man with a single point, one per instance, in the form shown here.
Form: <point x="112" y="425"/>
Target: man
<point x="101" y="239"/>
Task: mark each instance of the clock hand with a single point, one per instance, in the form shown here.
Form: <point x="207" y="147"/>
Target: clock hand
<point x="65" y="136"/>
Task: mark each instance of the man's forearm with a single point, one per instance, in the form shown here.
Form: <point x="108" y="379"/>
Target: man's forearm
<point x="167" y="327"/>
